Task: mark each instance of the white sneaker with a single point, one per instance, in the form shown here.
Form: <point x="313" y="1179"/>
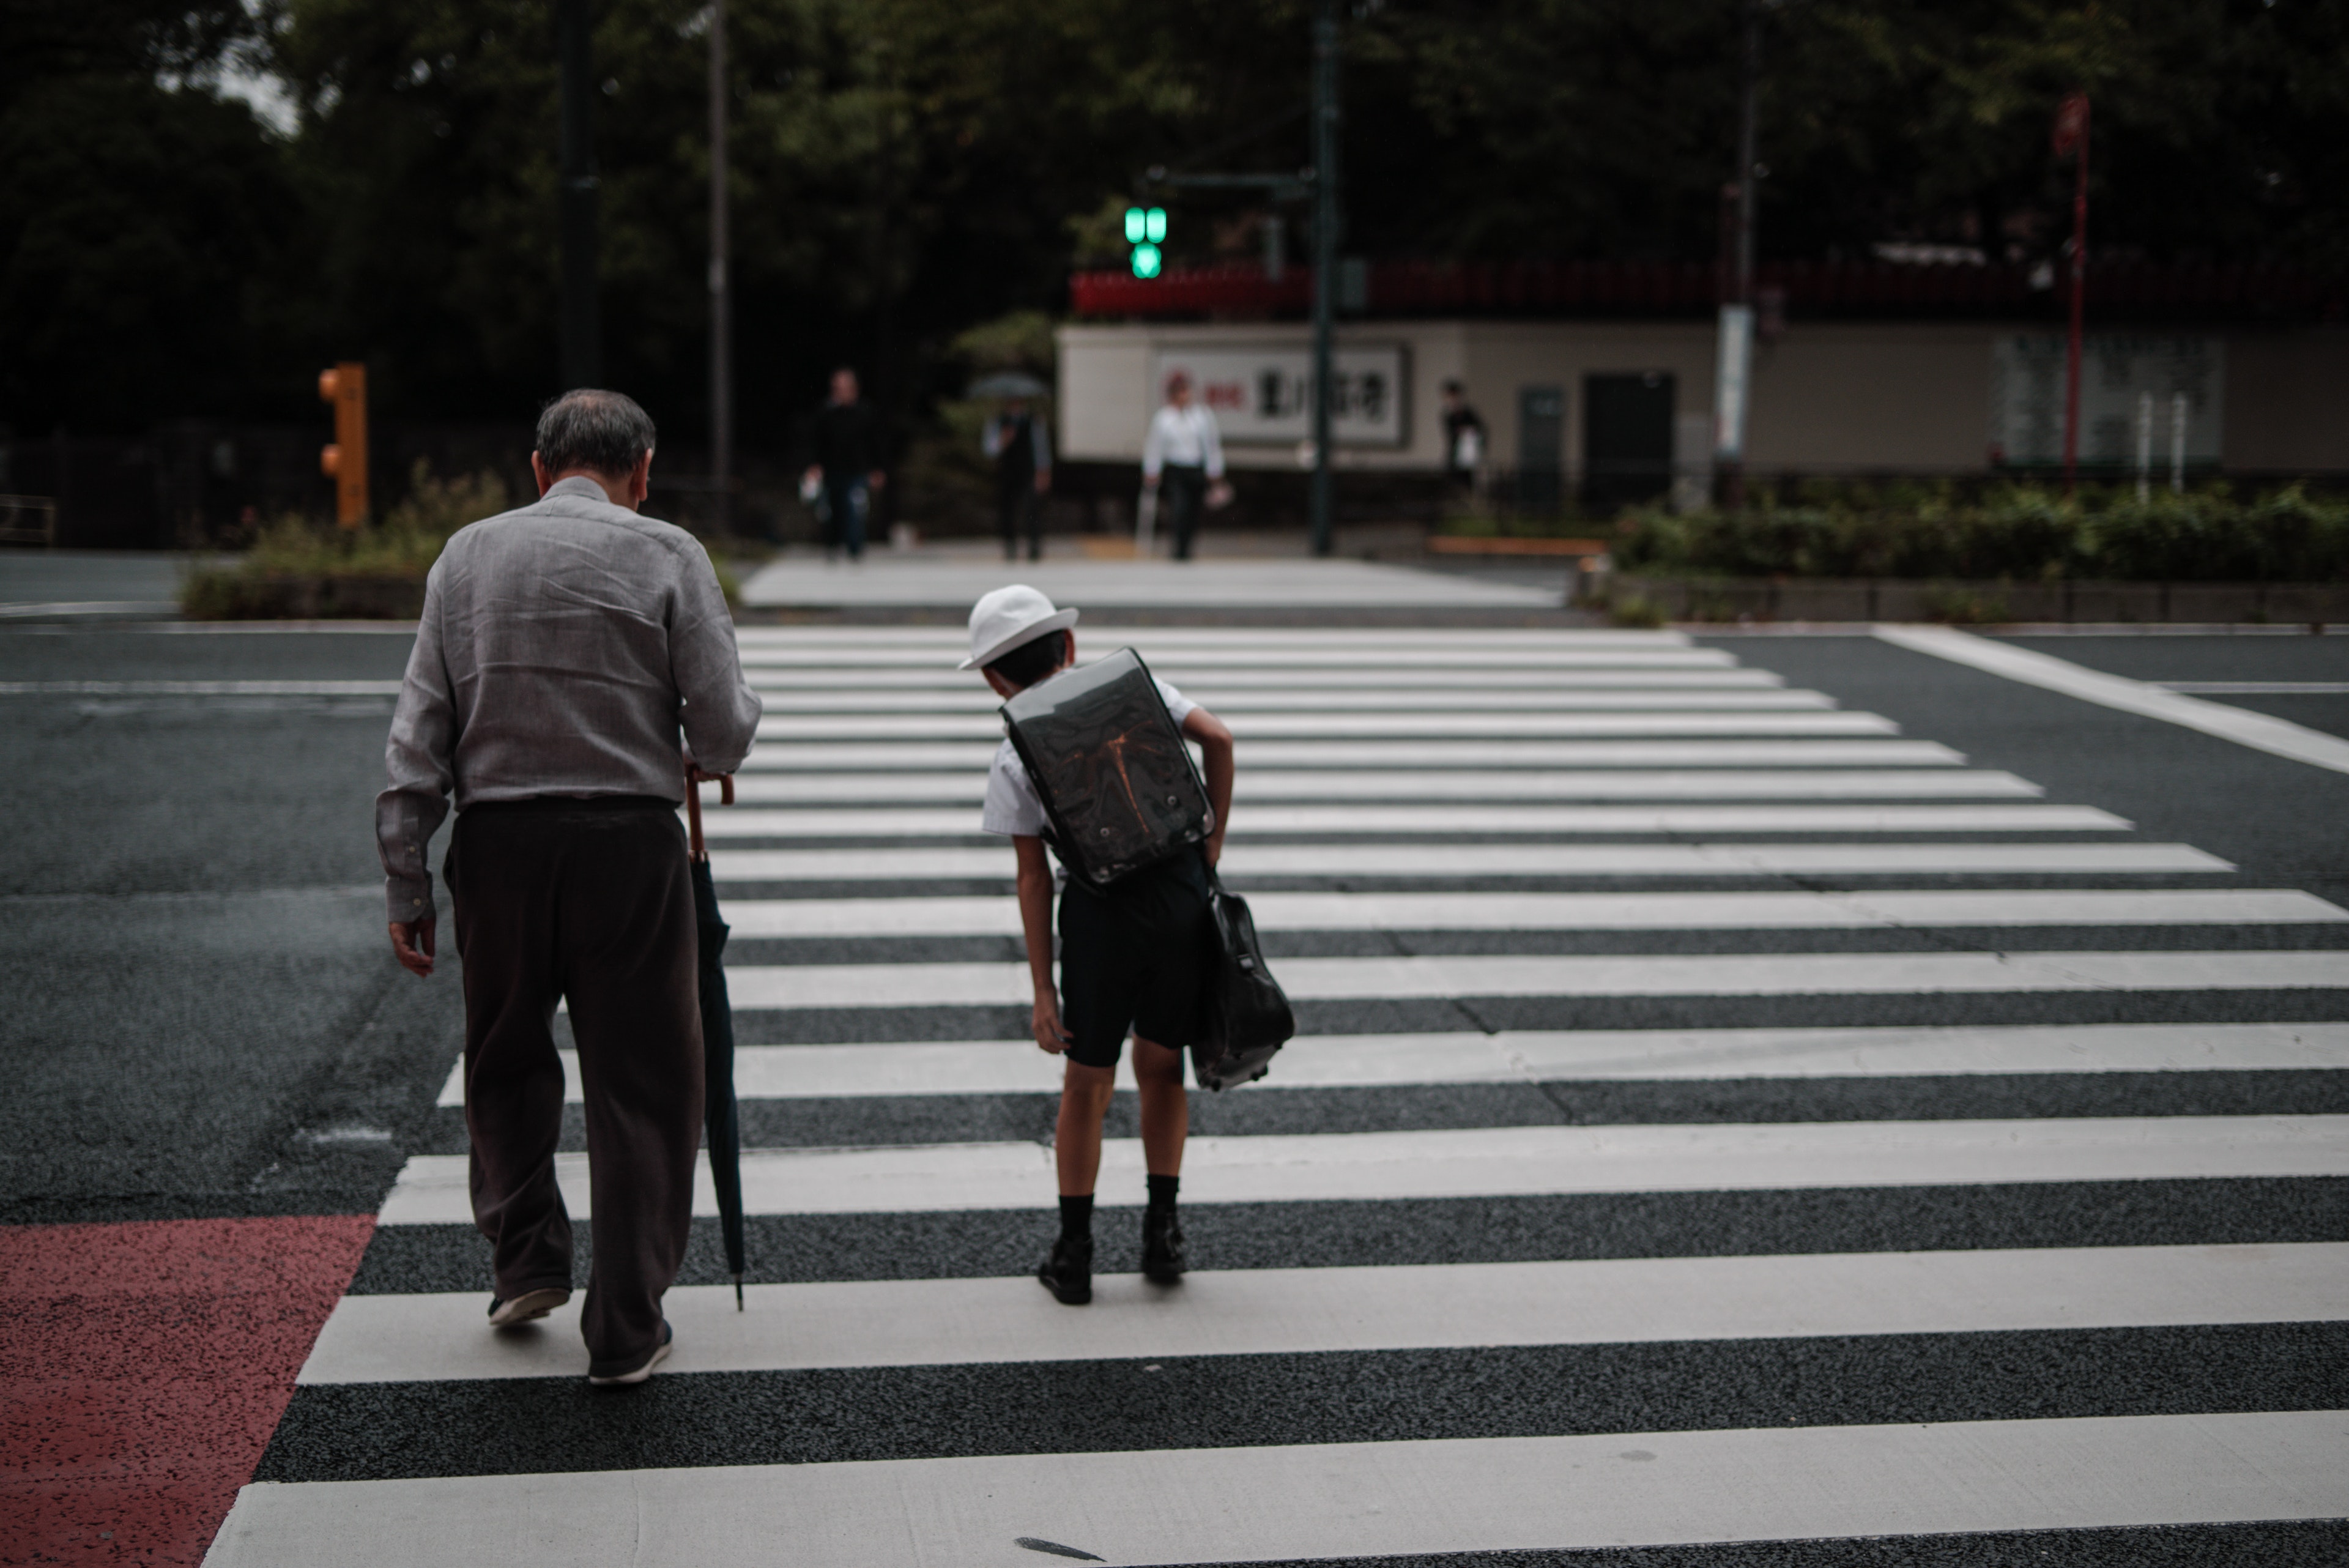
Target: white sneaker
<point x="639" y="1374"/>
<point x="527" y="1307"/>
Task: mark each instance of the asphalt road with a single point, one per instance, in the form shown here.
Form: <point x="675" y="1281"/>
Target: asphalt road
<point x="203" y="1023"/>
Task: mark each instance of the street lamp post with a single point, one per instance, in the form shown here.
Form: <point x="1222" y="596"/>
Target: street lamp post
<point x="722" y="349"/>
<point x="582" y="345"/>
<point x="1325" y="255"/>
<point x="2072" y="138"/>
<point x="1733" y="369"/>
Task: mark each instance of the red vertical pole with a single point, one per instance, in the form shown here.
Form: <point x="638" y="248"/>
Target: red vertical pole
<point x="2079" y="290"/>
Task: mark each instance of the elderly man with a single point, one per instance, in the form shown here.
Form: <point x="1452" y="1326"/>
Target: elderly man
<point x="562" y="649"/>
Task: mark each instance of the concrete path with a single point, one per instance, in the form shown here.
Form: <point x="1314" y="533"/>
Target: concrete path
<point x="930" y="582"/>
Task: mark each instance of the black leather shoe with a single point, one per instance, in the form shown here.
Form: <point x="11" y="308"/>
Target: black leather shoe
<point x="1163" y="1261"/>
<point x="1068" y="1272"/>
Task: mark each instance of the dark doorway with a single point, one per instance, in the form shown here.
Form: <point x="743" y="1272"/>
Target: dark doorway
<point x="1541" y="447"/>
<point x="1627" y="439"/>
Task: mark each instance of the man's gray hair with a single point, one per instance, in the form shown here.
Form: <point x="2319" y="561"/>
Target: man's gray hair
<point x="605" y="432"/>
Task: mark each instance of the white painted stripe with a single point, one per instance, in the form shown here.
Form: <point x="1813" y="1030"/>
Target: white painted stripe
<point x="1327" y="656"/>
<point x="199" y="688"/>
<point x="978" y="726"/>
<point x="2260" y="732"/>
<point x="1442" y="783"/>
<point x="1480" y="1162"/>
<point x="1526" y="1056"/>
<point x="943" y="862"/>
<point x="1212" y="678"/>
<point x="752" y="919"/>
<point x="1395" y="979"/>
<point x="980" y="700"/>
<point x="1249" y="636"/>
<point x="1262" y="821"/>
<point x="1273" y="1312"/>
<point x="2256" y="687"/>
<point x="1328" y="1500"/>
<point x="1337" y="756"/>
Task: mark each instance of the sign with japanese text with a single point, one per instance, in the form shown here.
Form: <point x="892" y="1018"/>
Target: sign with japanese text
<point x="1266" y="395"/>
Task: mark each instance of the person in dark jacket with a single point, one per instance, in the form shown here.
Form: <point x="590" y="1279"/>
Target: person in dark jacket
<point x="847" y="465"/>
<point x="1015" y="438"/>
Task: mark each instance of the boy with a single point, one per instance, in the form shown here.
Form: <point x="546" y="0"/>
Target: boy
<point x="1134" y="955"/>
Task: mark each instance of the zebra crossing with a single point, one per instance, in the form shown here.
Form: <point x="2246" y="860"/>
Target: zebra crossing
<point x="1718" y="1118"/>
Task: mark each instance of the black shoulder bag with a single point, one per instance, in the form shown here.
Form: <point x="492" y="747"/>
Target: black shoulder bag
<point x="1247" y="1016"/>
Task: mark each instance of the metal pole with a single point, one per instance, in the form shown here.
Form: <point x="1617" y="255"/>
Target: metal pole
<point x="2079" y="305"/>
<point x="722" y="349"/>
<point x="1325" y="255"/>
<point x="2144" y="446"/>
<point x="2177" y="444"/>
<point x="1734" y="371"/>
<point x="582" y="345"/>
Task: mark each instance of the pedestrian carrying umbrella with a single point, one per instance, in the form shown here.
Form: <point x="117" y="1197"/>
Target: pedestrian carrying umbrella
<point x="722" y="1118"/>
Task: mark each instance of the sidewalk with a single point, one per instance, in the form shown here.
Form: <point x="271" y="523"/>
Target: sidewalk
<point x="947" y="580"/>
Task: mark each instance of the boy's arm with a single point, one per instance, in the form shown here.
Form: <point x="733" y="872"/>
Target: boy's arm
<point x="1036" y="926"/>
<point x="1214" y="740"/>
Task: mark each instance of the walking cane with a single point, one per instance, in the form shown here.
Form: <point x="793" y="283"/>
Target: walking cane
<point x="721" y="1117"/>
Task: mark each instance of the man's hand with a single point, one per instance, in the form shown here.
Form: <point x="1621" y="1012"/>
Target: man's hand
<point x="694" y="775"/>
<point x="411" y="944"/>
<point x="1050" y="1035"/>
<point x="1213" y="846"/>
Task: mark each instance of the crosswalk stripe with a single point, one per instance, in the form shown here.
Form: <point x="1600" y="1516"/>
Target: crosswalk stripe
<point x="1387" y="1500"/>
<point x="1522" y="1056"/>
<point x="956" y="863"/>
<point x="901" y="1323"/>
<point x="1261" y="821"/>
<point x="1460" y="657"/>
<point x="757" y="919"/>
<point x="1481" y="1162"/>
<point x="1335" y="757"/>
<point x="980" y="700"/>
<point x="1434" y="783"/>
<point x="1432" y="724"/>
<point x="863" y="986"/>
<point x="1250" y="637"/>
<point x="1311" y="678"/>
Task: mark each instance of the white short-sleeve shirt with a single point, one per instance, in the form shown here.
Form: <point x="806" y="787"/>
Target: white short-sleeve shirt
<point x="1013" y="807"/>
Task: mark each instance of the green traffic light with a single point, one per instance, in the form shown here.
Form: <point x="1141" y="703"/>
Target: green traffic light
<point x="1137" y="226"/>
<point x="1154" y="223"/>
<point x="1146" y="261"/>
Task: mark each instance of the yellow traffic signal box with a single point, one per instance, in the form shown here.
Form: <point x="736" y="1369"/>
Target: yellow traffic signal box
<point x="345" y="461"/>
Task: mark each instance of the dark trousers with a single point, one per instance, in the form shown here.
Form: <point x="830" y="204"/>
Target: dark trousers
<point x="1182" y="491"/>
<point x="592" y="902"/>
<point x="847" y="503"/>
<point x="1016" y="509"/>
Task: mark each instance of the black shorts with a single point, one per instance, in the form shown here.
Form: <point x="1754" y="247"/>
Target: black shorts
<point x="1133" y="956"/>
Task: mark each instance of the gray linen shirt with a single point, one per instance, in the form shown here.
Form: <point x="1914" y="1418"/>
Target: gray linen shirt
<point x="563" y="646"/>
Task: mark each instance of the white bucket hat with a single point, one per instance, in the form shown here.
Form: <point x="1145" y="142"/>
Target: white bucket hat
<point x="1002" y="620"/>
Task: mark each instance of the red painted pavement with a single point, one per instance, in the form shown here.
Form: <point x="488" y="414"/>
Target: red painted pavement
<point x="142" y="1369"/>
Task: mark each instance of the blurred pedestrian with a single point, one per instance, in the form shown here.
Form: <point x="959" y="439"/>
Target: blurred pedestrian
<point x="1016" y="439"/>
<point x="561" y="647"/>
<point x="1181" y="457"/>
<point x="847" y="465"/>
<point x="1463" y="437"/>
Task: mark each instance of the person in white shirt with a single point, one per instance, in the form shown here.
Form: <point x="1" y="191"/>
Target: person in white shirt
<point x="1134" y="956"/>
<point x="1181" y="457"/>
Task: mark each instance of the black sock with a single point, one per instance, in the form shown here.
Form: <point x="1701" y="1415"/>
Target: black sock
<point x="1162" y="1191"/>
<point x="1077" y="1219"/>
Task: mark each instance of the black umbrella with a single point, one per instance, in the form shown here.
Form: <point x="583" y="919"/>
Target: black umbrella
<point x="1007" y="384"/>
<point x="721" y="1116"/>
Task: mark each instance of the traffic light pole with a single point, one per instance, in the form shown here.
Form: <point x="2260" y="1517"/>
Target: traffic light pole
<point x="1733" y="368"/>
<point x="1325" y="255"/>
<point x="582" y="339"/>
<point x="721" y="347"/>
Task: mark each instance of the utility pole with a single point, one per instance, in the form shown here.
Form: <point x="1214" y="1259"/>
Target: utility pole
<point x="1734" y="371"/>
<point x="1325" y="255"/>
<point x="582" y="344"/>
<point x="2072" y="137"/>
<point x="722" y="347"/>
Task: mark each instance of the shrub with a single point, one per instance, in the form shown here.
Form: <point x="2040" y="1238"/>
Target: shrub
<point x="2017" y="531"/>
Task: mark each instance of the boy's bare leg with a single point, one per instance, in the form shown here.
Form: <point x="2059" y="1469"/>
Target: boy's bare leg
<point x="1077" y="1137"/>
<point x="1165" y="1108"/>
